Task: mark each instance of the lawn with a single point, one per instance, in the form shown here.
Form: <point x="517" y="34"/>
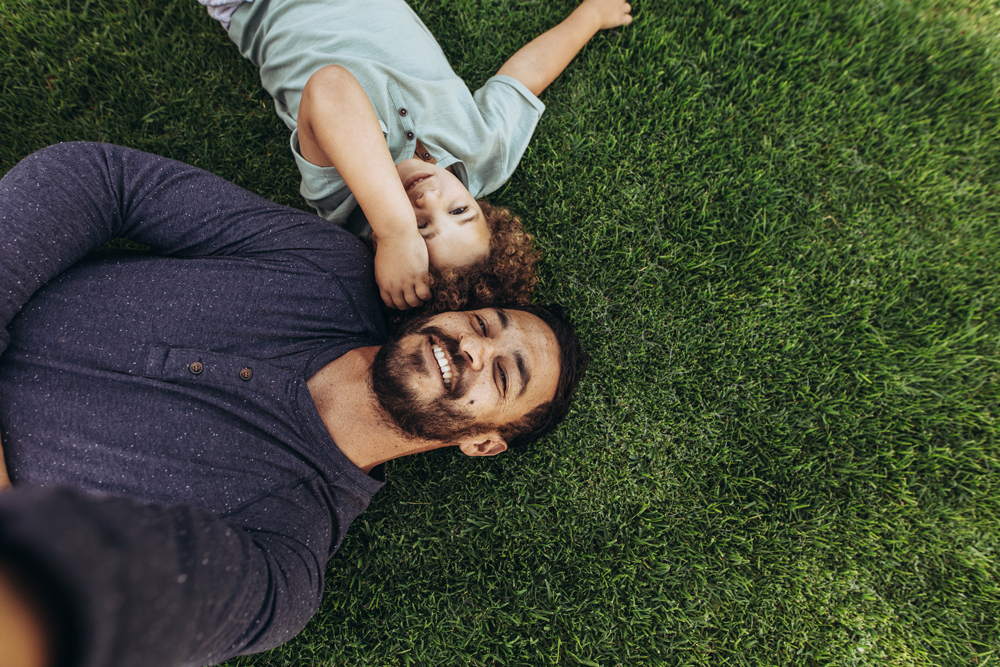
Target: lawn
<point x="778" y="227"/>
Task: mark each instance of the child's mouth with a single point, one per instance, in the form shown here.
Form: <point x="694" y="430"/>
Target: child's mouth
<point x="413" y="180"/>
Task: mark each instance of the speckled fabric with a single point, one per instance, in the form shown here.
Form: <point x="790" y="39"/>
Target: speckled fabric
<point x="168" y="390"/>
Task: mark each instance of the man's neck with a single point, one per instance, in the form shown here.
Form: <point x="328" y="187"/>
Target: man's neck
<point x="344" y="398"/>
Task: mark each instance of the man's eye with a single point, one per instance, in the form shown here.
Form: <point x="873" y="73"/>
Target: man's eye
<point x="503" y="380"/>
<point x="482" y="325"/>
<point x="460" y="210"/>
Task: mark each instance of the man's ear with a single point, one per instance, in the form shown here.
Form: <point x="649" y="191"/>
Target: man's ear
<point x="483" y="444"/>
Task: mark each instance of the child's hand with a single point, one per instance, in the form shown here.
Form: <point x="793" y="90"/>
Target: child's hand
<point x="610" y="13"/>
<point x="401" y="271"/>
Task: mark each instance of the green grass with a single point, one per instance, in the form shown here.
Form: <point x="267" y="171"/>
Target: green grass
<point x="778" y="225"/>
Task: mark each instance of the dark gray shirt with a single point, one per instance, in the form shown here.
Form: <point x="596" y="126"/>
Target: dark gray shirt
<point x="174" y="385"/>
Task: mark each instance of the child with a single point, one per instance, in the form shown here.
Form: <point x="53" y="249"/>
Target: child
<point x="380" y="120"/>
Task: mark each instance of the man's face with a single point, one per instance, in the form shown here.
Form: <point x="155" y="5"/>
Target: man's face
<point x="456" y="374"/>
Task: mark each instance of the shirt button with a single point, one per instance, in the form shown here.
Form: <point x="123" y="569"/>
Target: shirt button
<point x="246" y="374"/>
<point x="402" y="111"/>
<point x="409" y="135"/>
<point x="196" y="367"/>
<point x="427" y="156"/>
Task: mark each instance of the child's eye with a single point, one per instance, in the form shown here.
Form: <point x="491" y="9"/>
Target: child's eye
<point x="460" y="210"/>
<point x="422" y="225"/>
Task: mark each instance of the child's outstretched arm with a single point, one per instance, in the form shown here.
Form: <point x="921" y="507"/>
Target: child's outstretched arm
<point x="338" y="127"/>
<point x="540" y="61"/>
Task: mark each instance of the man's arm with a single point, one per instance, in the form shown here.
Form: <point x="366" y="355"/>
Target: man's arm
<point x="338" y="127"/>
<point x="63" y="202"/>
<point x="4" y="477"/>
<point x="540" y="61"/>
<point x="25" y="634"/>
<point x="150" y="585"/>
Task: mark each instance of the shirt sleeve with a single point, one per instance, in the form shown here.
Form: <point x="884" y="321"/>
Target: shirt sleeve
<point x="512" y="111"/>
<point x="152" y="585"/>
<point x="63" y="202"/>
<point x="323" y="188"/>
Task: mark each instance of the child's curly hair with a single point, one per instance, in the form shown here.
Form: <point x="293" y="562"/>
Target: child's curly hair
<point x="507" y="277"/>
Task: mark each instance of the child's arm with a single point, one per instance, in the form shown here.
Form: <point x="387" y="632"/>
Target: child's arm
<point x="540" y="61"/>
<point x="338" y="127"/>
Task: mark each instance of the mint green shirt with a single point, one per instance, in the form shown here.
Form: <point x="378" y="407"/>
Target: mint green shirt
<point x="413" y="89"/>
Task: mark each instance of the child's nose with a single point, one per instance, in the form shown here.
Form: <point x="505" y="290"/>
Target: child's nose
<point x="428" y="197"/>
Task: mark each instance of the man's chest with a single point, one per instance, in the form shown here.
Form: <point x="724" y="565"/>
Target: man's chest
<point x="169" y="379"/>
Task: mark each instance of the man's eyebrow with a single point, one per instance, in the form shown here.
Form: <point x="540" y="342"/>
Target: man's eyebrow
<point x="522" y="368"/>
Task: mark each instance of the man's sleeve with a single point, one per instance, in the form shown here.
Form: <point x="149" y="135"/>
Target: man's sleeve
<point x="63" y="202"/>
<point x="157" y="586"/>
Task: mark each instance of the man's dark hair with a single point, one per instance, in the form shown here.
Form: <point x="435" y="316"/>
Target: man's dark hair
<point x="573" y="361"/>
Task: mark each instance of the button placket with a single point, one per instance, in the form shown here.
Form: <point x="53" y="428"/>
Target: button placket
<point x="203" y="368"/>
<point x="405" y="116"/>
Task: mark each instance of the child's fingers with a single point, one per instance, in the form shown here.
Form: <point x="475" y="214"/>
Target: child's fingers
<point x="423" y="291"/>
<point x="625" y="17"/>
<point x="614" y="13"/>
<point x="411" y="297"/>
<point x="394" y="300"/>
<point x="405" y="298"/>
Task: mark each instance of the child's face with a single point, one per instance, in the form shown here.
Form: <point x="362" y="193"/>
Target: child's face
<point x="448" y="216"/>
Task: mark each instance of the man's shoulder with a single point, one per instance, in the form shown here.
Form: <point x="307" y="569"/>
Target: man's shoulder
<point x="346" y="259"/>
<point x="311" y="239"/>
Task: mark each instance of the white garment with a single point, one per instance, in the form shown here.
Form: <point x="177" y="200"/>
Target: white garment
<point x="222" y="10"/>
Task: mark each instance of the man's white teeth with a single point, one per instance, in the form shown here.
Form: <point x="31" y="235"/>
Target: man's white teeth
<point x="443" y="363"/>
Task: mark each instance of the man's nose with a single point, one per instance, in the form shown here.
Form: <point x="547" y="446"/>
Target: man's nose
<point x="479" y="350"/>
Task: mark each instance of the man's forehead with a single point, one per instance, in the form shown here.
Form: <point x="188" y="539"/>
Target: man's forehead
<point x="529" y="324"/>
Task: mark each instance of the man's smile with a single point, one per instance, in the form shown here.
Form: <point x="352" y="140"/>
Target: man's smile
<point x="445" y="366"/>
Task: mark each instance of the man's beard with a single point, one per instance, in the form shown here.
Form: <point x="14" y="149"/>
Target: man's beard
<point x="429" y="418"/>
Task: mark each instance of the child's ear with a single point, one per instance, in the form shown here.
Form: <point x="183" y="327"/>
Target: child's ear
<point x="483" y="444"/>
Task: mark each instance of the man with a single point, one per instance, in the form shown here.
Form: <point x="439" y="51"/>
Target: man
<point x="230" y="399"/>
